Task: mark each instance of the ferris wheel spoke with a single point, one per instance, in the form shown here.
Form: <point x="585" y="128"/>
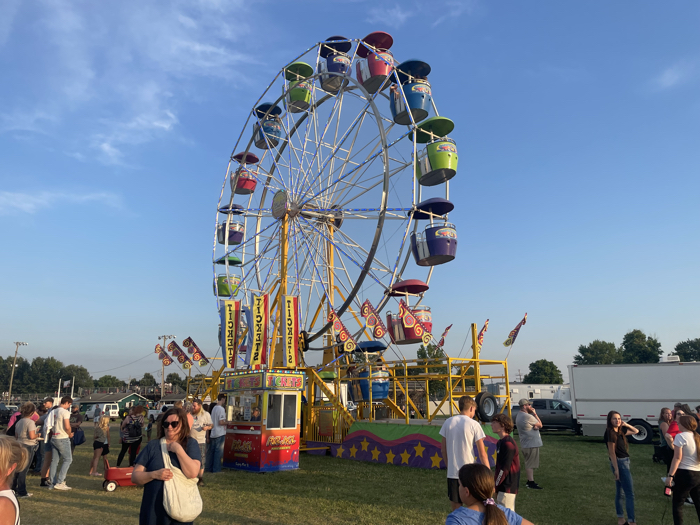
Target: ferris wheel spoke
<point x="312" y="182"/>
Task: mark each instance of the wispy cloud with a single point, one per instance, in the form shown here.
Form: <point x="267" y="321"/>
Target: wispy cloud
<point x="674" y="75"/>
<point x="453" y="9"/>
<point x="12" y="202"/>
<point x="394" y="16"/>
<point x="8" y="11"/>
<point x="32" y="120"/>
<point x="120" y="74"/>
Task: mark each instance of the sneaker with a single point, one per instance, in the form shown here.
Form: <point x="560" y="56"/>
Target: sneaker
<point x="45" y="482"/>
<point x="689" y="501"/>
<point x="27" y="495"/>
<point x="533" y="485"/>
<point x="200" y="482"/>
<point x="61" y="486"/>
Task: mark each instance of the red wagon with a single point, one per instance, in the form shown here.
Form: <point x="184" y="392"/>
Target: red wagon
<point x="117" y="477"/>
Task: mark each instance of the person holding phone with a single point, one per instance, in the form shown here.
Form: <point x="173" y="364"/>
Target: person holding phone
<point x="615" y="438"/>
<point x="529" y="425"/>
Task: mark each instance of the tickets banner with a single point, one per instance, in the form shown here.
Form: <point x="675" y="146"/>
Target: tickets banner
<point x="230" y="319"/>
<point x="373" y="320"/>
<point x="260" y="318"/>
<point x="291" y="331"/>
<point x="346" y="338"/>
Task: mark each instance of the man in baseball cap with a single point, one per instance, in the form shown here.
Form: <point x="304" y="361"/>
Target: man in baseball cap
<point x="529" y="426"/>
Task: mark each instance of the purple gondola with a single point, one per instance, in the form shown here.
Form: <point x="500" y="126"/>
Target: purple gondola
<point x="236" y="231"/>
<point x="335" y="64"/>
<point x="436" y="245"/>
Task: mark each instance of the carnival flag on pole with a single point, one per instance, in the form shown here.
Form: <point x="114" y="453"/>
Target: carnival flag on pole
<point x="410" y="320"/>
<point x="197" y="355"/>
<point x="514" y="333"/>
<point x="180" y="355"/>
<point x="480" y="337"/>
<point x="373" y="320"/>
<point x="261" y="317"/>
<point x="159" y="348"/>
<point x="346" y="338"/>
<point x="163" y="356"/>
<point x="441" y="343"/>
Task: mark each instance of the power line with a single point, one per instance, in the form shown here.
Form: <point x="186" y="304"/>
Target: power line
<point x="117" y="367"/>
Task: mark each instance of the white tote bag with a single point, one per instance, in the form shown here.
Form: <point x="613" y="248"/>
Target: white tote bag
<point x="181" y="497"/>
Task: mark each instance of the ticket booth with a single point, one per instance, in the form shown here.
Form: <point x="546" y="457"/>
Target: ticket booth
<point x="263" y="412"/>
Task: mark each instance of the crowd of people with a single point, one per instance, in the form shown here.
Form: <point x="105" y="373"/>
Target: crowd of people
<point x="477" y="495"/>
<point x="41" y="439"/>
<point x="190" y="437"/>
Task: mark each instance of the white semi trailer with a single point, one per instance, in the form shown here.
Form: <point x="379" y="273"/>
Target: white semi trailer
<point x="637" y="392"/>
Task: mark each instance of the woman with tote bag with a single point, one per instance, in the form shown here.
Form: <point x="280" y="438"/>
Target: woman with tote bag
<point x="167" y="468"/>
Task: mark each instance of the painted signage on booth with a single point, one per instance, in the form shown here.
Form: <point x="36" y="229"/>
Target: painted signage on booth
<point x="340" y="59"/>
<point x="284" y="381"/>
<point x="247" y="382"/>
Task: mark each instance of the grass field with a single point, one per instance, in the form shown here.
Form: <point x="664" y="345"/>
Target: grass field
<point x="575" y="473"/>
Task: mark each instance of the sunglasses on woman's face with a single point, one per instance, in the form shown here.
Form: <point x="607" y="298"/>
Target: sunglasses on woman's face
<point x="173" y="424"/>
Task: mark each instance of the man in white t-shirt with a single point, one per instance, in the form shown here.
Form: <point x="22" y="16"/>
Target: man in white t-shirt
<point x="60" y="444"/>
<point x="459" y="435"/>
<point x="217" y="436"/>
<point x="200" y="424"/>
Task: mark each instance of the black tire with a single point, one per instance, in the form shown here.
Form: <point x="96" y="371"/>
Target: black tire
<point x="486" y="406"/>
<point x="646" y="432"/>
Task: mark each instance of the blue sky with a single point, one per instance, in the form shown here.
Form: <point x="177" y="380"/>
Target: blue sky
<point x="578" y="128"/>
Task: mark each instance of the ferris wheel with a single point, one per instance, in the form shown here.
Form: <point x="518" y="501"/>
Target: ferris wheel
<point x="337" y="191"/>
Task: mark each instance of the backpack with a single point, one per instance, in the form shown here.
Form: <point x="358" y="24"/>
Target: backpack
<point x="11" y="430"/>
<point x="133" y="429"/>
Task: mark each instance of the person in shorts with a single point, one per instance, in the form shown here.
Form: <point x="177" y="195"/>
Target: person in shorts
<point x="529" y="425"/>
<point x="459" y="435"/>
<point x="201" y="423"/>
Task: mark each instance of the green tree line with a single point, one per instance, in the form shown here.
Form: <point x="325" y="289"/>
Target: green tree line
<point x="42" y="374"/>
<point x="636" y="347"/>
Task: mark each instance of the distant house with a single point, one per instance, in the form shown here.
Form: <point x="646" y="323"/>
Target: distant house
<point x="123" y="399"/>
<point x="169" y="399"/>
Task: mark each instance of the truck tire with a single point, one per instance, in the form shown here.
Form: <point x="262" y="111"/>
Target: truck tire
<point x="486" y="406"/>
<point x="646" y="432"/>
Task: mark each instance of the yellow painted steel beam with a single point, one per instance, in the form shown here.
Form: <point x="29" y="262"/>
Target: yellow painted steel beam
<point x="394" y="408"/>
<point x="313" y="377"/>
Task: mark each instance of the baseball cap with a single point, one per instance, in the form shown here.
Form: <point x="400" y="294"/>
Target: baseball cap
<point x="523" y="402"/>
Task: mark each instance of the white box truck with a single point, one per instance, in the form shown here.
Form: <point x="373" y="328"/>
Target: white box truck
<point x="637" y="392"/>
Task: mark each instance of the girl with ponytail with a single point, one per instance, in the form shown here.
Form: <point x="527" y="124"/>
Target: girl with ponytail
<point x="13" y="458"/>
<point x="476" y="490"/>
<point x="684" y="475"/>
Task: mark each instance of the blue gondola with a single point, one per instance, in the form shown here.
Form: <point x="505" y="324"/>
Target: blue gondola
<point x="269" y="135"/>
<point x="413" y="77"/>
